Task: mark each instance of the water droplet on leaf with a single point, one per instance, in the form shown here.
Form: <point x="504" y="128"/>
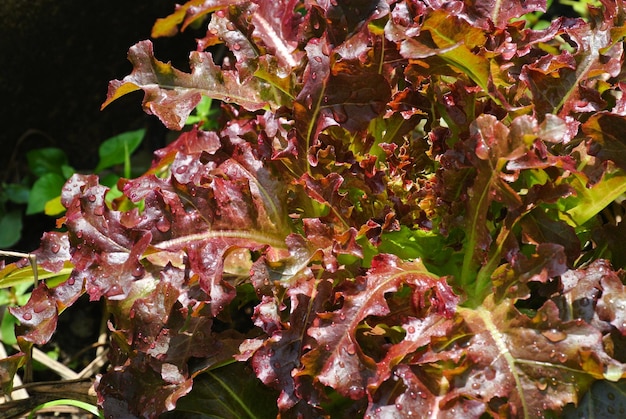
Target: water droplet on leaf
<point x="542" y="384"/>
<point x="138" y="271"/>
<point x="27" y="316"/>
<point x="163" y="225"/>
<point x="554" y="335"/>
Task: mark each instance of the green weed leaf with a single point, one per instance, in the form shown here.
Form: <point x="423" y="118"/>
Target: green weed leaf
<point x="116" y="150"/>
<point x="47" y="187"/>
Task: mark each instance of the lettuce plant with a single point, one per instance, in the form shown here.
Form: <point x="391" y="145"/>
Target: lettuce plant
<point x="410" y="208"/>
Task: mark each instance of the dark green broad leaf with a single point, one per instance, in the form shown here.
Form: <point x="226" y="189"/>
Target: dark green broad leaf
<point x="604" y="400"/>
<point x="116" y="150"/>
<point x="44" y="189"/>
<point x="231" y="391"/>
<point x="47" y="160"/>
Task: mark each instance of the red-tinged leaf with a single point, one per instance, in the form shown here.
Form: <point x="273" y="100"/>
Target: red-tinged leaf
<point x="186" y="14"/>
<point x="501" y="13"/>
<point x="326" y="191"/>
<point x="38" y="317"/>
<point x="53" y="252"/>
<point x="449" y="38"/>
<point x="414" y="397"/>
<point x="596" y="56"/>
<point x="607" y="130"/>
<point x="338" y="360"/>
<point x="533" y="364"/>
<point x="275" y="24"/>
<point x="540" y="229"/>
<point x="137" y="391"/>
<point x="171" y="94"/>
<point x="419" y="333"/>
<point x="8" y="369"/>
<point x="229" y="391"/>
<point x="276" y="359"/>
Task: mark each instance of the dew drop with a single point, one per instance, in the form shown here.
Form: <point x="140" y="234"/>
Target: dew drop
<point x="351" y="350"/>
<point x="314" y="75"/>
<point x="79" y="234"/>
<point x="316" y="26"/>
<point x="236" y="46"/>
<point x="610" y="396"/>
<point x="398" y="406"/>
<point x="152" y="345"/>
<point x="554" y="335"/>
<point x="91" y="198"/>
<point x="413" y="395"/>
<point x="230" y="26"/>
<point x="27" y="316"/>
<point x="475" y="385"/>
<point x="411" y="329"/>
<point x="181" y="169"/>
<point x="342" y="364"/>
<point x="138" y="271"/>
<point x="355" y="392"/>
<point x="54" y="248"/>
<point x="114" y="290"/>
<point x="542" y="384"/>
<point x="611" y="410"/>
<point x="562" y="358"/>
<point x="220" y="13"/>
<point x="38" y="308"/>
<point x="342" y="316"/>
<point x="163" y="225"/>
<point x="70" y="281"/>
<point x="98" y="210"/>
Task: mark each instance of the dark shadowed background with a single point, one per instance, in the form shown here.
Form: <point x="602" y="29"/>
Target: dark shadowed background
<point x="56" y="59"/>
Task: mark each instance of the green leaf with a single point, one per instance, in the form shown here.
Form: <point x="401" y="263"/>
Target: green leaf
<point x="227" y="392"/>
<point x="67" y="402"/>
<point x="46" y="160"/>
<point x="117" y="149"/>
<point x="15" y="192"/>
<point x="12" y="275"/>
<point x="44" y="189"/>
<point x="590" y="201"/>
<point x="54" y="207"/>
<point x="10" y="228"/>
<point x="7" y="328"/>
